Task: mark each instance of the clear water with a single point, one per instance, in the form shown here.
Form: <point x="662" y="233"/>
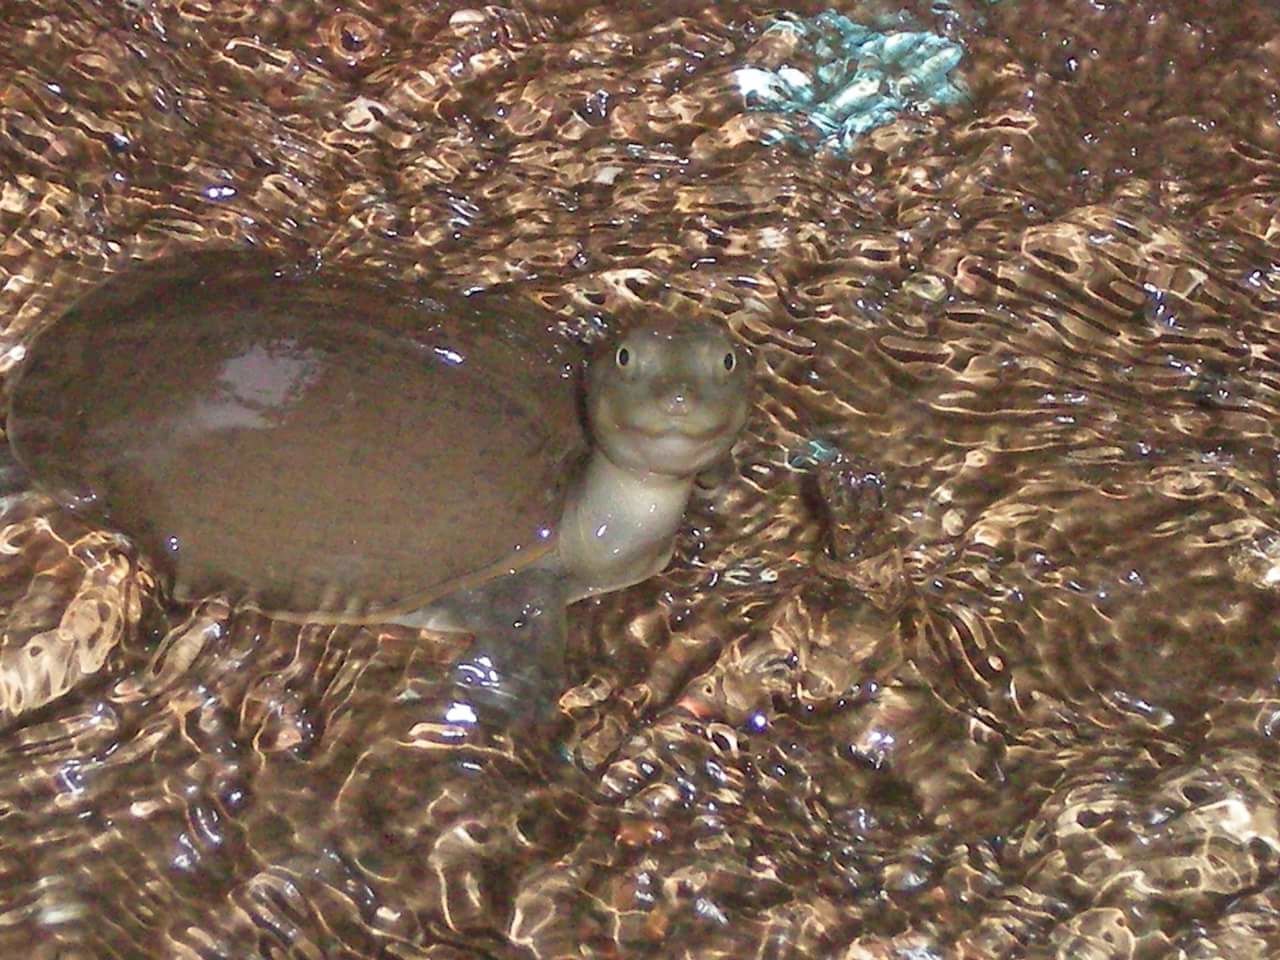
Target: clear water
<point x="973" y="656"/>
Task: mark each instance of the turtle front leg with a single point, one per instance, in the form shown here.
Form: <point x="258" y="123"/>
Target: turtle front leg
<point x="515" y="667"/>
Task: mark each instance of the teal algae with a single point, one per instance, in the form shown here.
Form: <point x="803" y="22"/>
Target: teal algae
<point x="846" y="78"/>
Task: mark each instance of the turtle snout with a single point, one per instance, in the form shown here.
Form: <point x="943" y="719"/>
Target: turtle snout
<point x="676" y="399"/>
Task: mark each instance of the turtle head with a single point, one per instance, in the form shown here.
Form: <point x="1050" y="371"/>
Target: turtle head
<point x="668" y="400"/>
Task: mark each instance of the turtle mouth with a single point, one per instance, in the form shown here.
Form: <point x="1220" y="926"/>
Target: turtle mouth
<point x="639" y="437"/>
<point x="676" y="432"/>
<point x="672" y="449"/>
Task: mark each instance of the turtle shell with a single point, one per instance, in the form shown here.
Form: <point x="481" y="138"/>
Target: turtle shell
<point x="311" y="441"/>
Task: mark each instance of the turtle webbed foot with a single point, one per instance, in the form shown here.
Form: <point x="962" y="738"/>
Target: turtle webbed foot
<point x="515" y="686"/>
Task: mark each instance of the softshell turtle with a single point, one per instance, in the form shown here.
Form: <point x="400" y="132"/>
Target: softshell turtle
<point x="331" y="448"/>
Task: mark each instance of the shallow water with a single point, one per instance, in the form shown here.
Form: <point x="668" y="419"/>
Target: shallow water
<point x="973" y="656"/>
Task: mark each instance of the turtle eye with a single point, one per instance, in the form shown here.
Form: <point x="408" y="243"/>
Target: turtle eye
<point x="730" y="360"/>
<point x="622" y="357"/>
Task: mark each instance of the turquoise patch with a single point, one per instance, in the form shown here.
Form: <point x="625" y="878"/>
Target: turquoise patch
<point x="853" y="79"/>
<point x="814" y="453"/>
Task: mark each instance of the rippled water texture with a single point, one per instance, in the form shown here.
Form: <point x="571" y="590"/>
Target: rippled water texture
<point x="973" y="656"/>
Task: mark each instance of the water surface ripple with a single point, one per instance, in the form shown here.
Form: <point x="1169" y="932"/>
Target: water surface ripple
<point x="973" y="656"/>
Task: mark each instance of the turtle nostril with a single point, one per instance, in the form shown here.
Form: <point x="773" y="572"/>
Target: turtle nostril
<point x="676" y="400"/>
